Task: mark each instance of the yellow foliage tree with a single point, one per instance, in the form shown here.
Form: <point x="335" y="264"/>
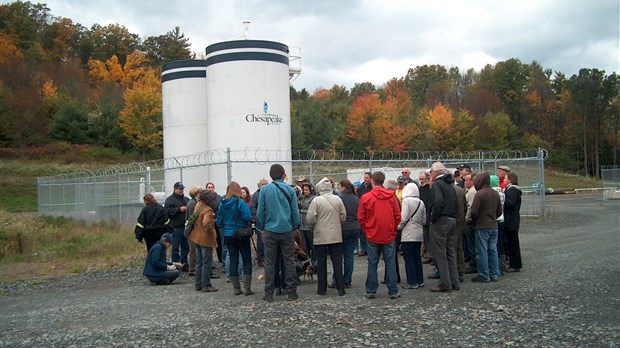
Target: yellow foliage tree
<point x="439" y="122"/>
<point x="112" y="71"/>
<point x="141" y="118"/>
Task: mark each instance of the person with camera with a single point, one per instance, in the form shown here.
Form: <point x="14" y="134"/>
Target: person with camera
<point x="233" y="214"/>
<point x="156" y="269"/>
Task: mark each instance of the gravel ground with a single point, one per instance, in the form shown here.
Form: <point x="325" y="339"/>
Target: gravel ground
<point x="566" y="296"/>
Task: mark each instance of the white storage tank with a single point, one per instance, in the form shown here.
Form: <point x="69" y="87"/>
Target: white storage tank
<point x="184" y="102"/>
<point x="248" y="107"/>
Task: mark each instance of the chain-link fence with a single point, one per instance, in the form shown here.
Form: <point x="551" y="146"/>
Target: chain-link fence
<point x="115" y="193"/>
<point x="610" y="176"/>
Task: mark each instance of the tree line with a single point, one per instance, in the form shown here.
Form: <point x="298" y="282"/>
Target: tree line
<point x="62" y="82"/>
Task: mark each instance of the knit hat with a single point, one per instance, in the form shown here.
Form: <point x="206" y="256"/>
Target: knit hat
<point x="166" y="237"/>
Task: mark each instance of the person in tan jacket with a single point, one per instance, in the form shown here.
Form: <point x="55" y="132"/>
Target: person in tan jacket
<point x="204" y="238"/>
<point x="325" y="215"/>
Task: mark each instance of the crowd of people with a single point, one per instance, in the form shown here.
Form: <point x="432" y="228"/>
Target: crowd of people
<point x="458" y="221"/>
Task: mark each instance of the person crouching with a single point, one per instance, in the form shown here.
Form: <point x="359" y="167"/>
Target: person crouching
<point x="156" y="269"/>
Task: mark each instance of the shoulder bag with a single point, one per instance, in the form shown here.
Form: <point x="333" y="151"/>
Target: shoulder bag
<point x="241" y="233"/>
<point x="190" y="223"/>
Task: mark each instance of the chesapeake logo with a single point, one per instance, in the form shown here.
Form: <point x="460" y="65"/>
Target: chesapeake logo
<point x="265" y="117"/>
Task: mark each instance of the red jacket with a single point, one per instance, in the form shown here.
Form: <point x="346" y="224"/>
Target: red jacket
<point x="379" y="215"/>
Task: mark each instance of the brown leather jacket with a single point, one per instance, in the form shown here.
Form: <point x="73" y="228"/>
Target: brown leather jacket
<point x="204" y="233"/>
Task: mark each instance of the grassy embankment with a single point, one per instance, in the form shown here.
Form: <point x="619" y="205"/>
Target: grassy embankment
<point x="32" y="247"/>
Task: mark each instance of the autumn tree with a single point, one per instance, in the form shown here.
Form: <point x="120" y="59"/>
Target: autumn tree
<point x="499" y="133"/>
<point x="111" y="40"/>
<point x="366" y="122"/>
<point x="141" y="118"/>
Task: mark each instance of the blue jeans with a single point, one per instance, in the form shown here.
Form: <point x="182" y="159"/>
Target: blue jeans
<point x="413" y="262"/>
<point x="179" y="241"/>
<point x="363" y="241"/>
<point x="204" y="259"/>
<point x="486" y="254"/>
<point x="374" y="253"/>
<point x="349" y="242"/>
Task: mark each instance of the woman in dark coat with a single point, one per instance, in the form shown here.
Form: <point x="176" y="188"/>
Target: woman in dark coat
<point x="153" y="221"/>
<point x="512" y="219"/>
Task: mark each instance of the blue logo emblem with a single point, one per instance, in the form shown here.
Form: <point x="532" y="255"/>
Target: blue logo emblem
<point x="265" y="107"/>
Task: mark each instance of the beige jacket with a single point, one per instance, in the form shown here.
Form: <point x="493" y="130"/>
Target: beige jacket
<point x="325" y="214"/>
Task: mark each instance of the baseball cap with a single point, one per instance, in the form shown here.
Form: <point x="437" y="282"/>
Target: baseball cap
<point x="463" y="166"/>
<point x="504" y="168"/>
<point x="301" y="178"/>
<point x="178" y="184"/>
<point x="401" y="179"/>
<point x="357" y="183"/>
<point x="166" y="237"/>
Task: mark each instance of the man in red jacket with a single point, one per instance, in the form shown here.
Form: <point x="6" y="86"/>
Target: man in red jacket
<point x="379" y="215"/>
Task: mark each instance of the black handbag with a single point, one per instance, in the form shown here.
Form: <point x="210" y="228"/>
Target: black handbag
<point x="241" y="233"/>
<point x="139" y="232"/>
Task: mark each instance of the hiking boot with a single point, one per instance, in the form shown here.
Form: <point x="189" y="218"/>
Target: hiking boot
<point x="292" y="296"/>
<point x="236" y="285"/>
<point x="268" y="298"/>
<point x="209" y="289"/>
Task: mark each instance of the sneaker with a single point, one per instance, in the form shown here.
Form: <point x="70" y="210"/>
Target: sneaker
<point x="214" y="276"/>
<point x="370" y="296"/>
<point x="292" y="296"/>
<point x="432" y="276"/>
<point x="421" y="285"/>
<point x="209" y="289"/>
<point x="495" y="280"/>
<point x="478" y="279"/>
<point x="409" y="287"/>
<point x="394" y="297"/>
<point x="268" y="298"/>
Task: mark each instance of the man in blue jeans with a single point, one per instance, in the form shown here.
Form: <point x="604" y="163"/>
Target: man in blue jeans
<point x="363" y="189"/>
<point x="176" y="206"/>
<point x="485" y="210"/>
<point x="379" y="215"/>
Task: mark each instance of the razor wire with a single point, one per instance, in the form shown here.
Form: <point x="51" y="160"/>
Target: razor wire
<point x="213" y="157"/>
<point x="114" y="193"/>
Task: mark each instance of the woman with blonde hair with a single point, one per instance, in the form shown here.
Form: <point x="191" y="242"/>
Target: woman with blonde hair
<point x="233" y="214"/>
<point x="153" y="221"/>
<point x="204" y="238"/>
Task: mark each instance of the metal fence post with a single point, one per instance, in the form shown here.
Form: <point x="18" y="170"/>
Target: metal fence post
<point x="228" y="166"/>
<point x="541" y="166"/>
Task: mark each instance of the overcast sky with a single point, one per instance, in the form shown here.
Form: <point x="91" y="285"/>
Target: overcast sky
<point x="344" y="42"/>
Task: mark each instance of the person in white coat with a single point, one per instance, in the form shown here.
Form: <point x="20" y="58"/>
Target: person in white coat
<point x="325" y="215"/>
<point x="413" y="217"/>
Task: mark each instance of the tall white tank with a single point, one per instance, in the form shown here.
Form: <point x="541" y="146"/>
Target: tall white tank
<point x="248" y="106"/>
<point x="184" y="102"/>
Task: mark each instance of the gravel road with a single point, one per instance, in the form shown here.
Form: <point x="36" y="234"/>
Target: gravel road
<point x="568" y="295"/>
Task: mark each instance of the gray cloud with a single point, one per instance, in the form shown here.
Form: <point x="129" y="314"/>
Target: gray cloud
<point x="343" y="42"/>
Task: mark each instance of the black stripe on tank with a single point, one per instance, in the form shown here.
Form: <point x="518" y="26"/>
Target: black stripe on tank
<point x="244" y="56"/>
<point x="228" y="45"/>
<point x="184" y="75"/>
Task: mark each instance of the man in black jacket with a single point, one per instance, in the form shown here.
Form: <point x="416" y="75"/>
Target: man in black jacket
<point x="176" y="206"/>
<point x="443" y="207"/>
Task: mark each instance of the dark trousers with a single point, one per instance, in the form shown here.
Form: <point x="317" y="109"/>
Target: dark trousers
<point x="308" y="237"/>
<point x="218" y="250"/>
<point x="513" y="248"/>
<point x="283" y="243"/>
<point x="458" y="247"/>
<point x="335" y="254"/>
<point x="442" y="252"/>
<point x="236" y="247"/>
<point x="470" y="238"/>
<point x="413" y="262"/>
<point x="166" y="279"/>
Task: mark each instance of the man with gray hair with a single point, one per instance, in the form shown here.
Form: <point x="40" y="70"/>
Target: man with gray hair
<point x="443" y="207"/>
